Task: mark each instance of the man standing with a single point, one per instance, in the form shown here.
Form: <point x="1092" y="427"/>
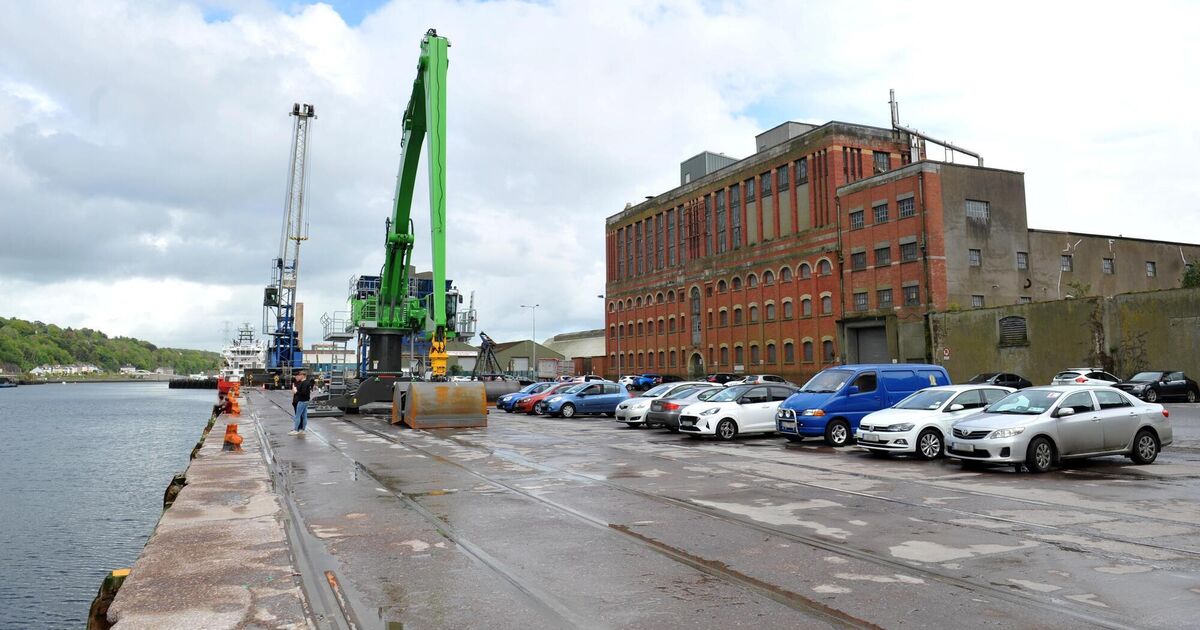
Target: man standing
<point x="303" y="388"/>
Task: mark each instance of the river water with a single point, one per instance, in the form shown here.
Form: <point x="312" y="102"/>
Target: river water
<point x="83" y="468"/>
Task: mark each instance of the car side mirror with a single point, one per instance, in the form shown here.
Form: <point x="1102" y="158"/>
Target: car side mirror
<point x="851" y="390"/>
<point x="956" y="407"/>
<point x="1064" y="411"/>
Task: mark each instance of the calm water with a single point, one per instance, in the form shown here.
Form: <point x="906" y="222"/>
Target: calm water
<point x="83" y="468"/>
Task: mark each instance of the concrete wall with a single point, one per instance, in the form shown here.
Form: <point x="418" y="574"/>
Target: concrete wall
<point x="1088" y="251"/>
<point x="1123" y="334"/>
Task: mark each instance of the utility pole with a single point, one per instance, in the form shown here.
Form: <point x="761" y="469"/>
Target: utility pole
<point x="533" y="309"/>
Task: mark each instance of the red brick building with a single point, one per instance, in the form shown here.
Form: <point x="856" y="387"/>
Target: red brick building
<point x="829" y="245"/>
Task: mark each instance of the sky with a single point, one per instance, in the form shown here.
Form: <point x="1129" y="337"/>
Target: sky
<point x="144" y="144"/>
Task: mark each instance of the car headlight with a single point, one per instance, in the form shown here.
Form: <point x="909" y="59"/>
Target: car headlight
<point x="1006" y="433"/>
<point x="1140" y="387"/>
<point x="906" y="426"/>
<point x="814" y="412"/>
<point x="709" y="412"/>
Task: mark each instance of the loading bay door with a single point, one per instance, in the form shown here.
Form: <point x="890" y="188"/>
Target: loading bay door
<point x="870" y="345"/>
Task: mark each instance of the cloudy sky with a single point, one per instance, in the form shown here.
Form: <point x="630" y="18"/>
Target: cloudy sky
<point x="144" y="145"/>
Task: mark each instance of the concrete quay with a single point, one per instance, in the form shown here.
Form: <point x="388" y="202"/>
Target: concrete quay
<point x="550" y="523"/>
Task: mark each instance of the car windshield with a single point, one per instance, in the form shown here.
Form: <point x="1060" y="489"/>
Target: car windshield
<point x="828" y="381"/>
<point x="982" y="378"/>
<point x="655" y="392"/>
<point x="1145" y="377"/>
<point x="926" y="399"/>
<point x="729" y="393"/>
<point x="1027" y="402"/>
<point x="1066" y="375"/>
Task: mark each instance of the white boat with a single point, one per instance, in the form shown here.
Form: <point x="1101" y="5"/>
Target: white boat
<point x="243" y="353"/>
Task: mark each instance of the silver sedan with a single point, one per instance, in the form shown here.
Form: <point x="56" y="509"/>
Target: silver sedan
<point x="1038" y="427"/>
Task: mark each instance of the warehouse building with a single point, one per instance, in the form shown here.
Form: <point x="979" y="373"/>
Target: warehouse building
<point x="830" y="245"/>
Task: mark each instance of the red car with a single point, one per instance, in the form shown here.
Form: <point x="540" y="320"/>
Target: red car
<point x="528" y="404"/>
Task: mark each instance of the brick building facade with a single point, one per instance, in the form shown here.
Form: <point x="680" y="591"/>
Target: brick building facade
<point x="829" y="245"/>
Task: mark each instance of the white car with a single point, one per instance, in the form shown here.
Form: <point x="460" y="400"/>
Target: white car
<point x="735" y="410"/>
<point x="633" y="411"/>
<point x="627" y="381"/>
<point x="1084" y="376"/>
<point x="921" y="422"/>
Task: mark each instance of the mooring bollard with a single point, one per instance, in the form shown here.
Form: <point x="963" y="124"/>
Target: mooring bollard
<point x="233" y="441"/>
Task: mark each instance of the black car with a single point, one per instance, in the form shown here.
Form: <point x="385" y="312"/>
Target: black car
<point x="1151" y="386"/>
<point x="721" y="377"/>
<point x="1003" y="379"/>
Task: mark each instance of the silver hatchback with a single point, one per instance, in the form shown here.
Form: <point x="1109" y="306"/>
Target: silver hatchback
<point x="1038" y="427"/>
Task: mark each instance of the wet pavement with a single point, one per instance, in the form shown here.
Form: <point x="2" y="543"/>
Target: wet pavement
<point x="538" y="522"/>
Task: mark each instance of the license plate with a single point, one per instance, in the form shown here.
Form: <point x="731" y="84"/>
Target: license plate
<point x="787" y="425"/>
<point x="966" y="448"/>
<point x="870" y="437"/>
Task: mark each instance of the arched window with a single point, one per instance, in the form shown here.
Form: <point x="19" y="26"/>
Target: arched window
<point x="788" y="310"/>
<point x="638" y="302"/>
<point x="751" y="281"/>
<point x="771" y="358"/>
<point x="629" y="360"/>
<point x="649" y="299"/>
<point x="827" y="351"/>
<point x="808" y="352"/>
<point x="785" y="274"/>
<point x="768" y="277"/>
<point x="695" y="316"/>
<point x="710" y="319"/>
<point x="806" y="307"/>
<point x="722" y="286"/>
<point x="770" y="312"/>
<point x="671" y="296"/>
<point x="826" y="305"/>
<point x="661" y="355"/>
<point x="725" y="355"/>
<point x="661" y="329"/>
<point x="612" y="359"/>
<point x="671" y="325"/>
<point x="738" y="355"/>
<point x="737" y="283"/>
<point x="612" y="306"/>
<point x="628" y="303"/>
<point x="824" y="268"/>
<point x="673" y="363"/>
<point x="658" y="299"/>
<point x="753" y="314"/>
<point x="650" y="360"/>
<point x="789" y="353"/>
<point x="641" y="360"/>
<point x="712" y="356"/>
<point x="621" y="329"/>
<point x="755" y="355"/>
<point x="737" y="316"/>
<point x="641" y="329"/>
<point x="724" y="318"/>
<point x="805" y="271"/>
<point x="612" y="330"/>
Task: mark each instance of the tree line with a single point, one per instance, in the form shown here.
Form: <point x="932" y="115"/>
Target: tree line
<point x="25" y="345"/>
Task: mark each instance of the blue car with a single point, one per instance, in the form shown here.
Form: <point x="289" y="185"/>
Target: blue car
<point x="508" y="402"/>
<point x="835" y="400"/>
<point x="595" y="397"/>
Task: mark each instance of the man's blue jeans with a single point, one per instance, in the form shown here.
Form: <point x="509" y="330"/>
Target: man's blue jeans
<point x="301" y="420"/>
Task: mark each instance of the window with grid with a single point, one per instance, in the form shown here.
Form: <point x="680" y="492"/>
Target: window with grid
<point x="806" y="307"/>
<point x="856" y="220"/>
<point x="724" y="318"/>
<point x="671" y="237"/>
<point x="755" y="355"/>
<point x="620" y="252"/>
<point x="824" y="268"/>
<point x="976" y="301"/>
<point x="770" y="312"/>
<point x="739" y="355"/>
<point x="908" y="251"/>
<point x="858" y="261"/>
<point x="1022" y="260"/>
<point x="708" y="225"/>
<point x="1106" y="265"/>
<point x="860" y="301"/>
<point x="826" y="305"/>
<point x="881" y="213"/>
<point x="807" y="352"/>
<point x="975" y="257"/>
<point x="907" y="207"/>
<point x="1065" y="262"/>
<point x="912" y="296"/>
<point x="764" y="190"/>
<point x="976" y="209"/>
<point x="881" y="162"/>
<point x="781" y="174"/>
<point x="753" y="314"/>
<point x="771" y="357"/>
<point x="801" y="171"/>
<point x="789" y="353"/>
<point x="883" y="297"/>
<point x="883" y="256"/>
<point x="737" y="316"/>
<point x="749" y="190"/>
<point x="658" y="241"/>
<point x="1151" y="269"/>
<point x="735" y="215"/>
<point x="638" y="243"/>
<point x="721" y="246"/>
<point x="788" y="310"/>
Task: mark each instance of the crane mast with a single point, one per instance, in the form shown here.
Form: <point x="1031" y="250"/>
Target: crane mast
<point x="279" y="301"/>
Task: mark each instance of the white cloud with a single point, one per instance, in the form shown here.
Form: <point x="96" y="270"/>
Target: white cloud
<point x="149" y="145"/>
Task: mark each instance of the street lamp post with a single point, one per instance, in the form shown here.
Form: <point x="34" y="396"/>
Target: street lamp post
<point x="533" y="309"/>
<point x="620" y="358"/>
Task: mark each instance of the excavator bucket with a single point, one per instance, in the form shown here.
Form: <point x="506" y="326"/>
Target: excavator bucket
<point x="440" y="405"/>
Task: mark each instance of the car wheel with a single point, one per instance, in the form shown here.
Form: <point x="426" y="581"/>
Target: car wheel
<point x="1040" y="456"/>
<point x="1191" y="395"/>
<point x="837" y="433"/>
<point x="1145" y="448"/>
<point x="1151" y="395"/>
<point x="929" y="444"/>
<point x="726" y="429"/>
<point x="567" y="411"/>
<point x="794" y="439"/>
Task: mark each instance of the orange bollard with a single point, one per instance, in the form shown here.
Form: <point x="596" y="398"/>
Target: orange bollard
<point x="233" y="441"/>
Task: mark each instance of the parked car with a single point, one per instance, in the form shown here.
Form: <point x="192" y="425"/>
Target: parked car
<point x="1039" y="427"/>
<point x="921" y="423"/>
<point x="1084" y="376"/>
<point x="508" y="402"/>
<point x="586" y="378"/>
<point x="735" y="410"/>
<point x="1003" y="379"/>
<point x="529" y="404"/>
<point x="645" y="381"/>
<point x="665" y="410"/>
<point x="1151" y="386"/>
<point x="767" y="379"/>
<point x="628" y="380"/>
<point x="721" y="378"/>
<point x="596" y="397"/>
<point x="633" y="411"/>
<point x="836" y="399"/>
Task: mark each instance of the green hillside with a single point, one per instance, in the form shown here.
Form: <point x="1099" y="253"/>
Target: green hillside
<point x="27" y="345"/>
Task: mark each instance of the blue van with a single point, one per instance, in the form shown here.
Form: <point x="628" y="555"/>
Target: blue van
<point x="831" y="404"/>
